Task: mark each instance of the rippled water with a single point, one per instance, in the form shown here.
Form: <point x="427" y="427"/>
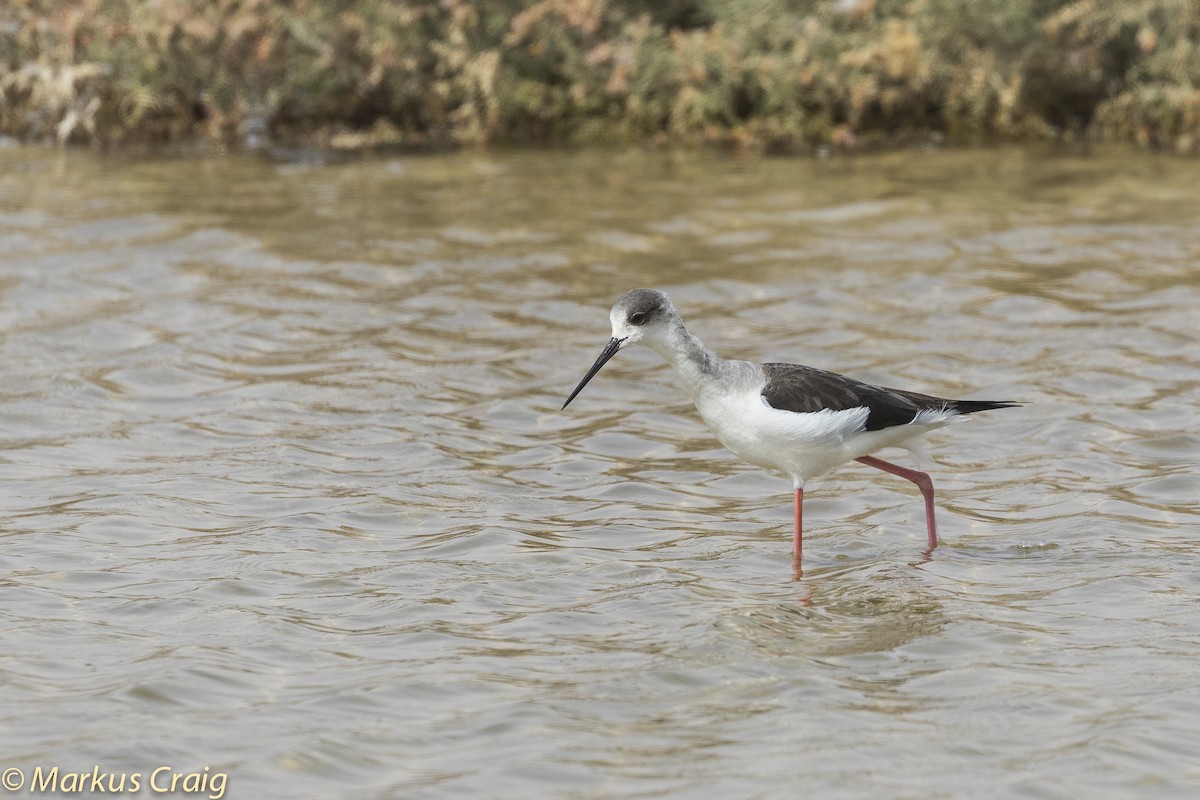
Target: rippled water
<point x="286" y="492"/>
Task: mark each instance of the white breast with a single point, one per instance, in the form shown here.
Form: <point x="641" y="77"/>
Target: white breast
<point x="801" y="446"/>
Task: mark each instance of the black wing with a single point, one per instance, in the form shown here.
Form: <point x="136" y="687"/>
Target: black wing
<point x="792" y="387"/>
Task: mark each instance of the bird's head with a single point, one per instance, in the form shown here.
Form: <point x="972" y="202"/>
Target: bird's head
<point x="639" y="315"/>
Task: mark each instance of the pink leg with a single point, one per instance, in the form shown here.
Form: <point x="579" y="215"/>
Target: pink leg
<point x="923" y="482"/>
<point x="798" y="541"/>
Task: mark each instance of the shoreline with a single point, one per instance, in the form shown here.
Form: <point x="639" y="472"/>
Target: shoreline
<point x="754" y="76"/>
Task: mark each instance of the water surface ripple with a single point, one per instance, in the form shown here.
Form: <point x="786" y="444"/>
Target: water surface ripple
<point x="286" y="491"/>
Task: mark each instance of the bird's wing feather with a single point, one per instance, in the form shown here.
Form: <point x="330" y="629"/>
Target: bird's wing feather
<point x="793" y="387"/>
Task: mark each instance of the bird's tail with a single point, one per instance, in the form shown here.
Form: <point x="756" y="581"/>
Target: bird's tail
<point x="971" y="406"/>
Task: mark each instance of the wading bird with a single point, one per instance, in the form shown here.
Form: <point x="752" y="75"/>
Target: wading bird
<point x="794" y="420"/>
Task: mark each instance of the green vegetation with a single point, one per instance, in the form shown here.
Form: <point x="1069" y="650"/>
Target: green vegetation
<point x="774" y="75"/>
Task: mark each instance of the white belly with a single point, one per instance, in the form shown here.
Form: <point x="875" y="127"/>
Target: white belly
<point x="801" y="446"/>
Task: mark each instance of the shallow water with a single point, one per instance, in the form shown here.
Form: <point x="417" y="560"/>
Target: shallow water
<point x="286" y="492"/>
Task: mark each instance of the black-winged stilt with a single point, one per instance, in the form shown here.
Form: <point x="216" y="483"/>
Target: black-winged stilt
<point x="795" y="420"/>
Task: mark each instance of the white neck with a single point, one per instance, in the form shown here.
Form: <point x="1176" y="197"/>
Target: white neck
<point x="695" y="363"/>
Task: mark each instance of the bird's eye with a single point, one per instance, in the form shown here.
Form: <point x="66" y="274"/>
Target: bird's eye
<point x="637" y="318"/>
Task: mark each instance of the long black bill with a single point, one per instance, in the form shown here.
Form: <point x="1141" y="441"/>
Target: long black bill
<point x="610" y="350"/>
